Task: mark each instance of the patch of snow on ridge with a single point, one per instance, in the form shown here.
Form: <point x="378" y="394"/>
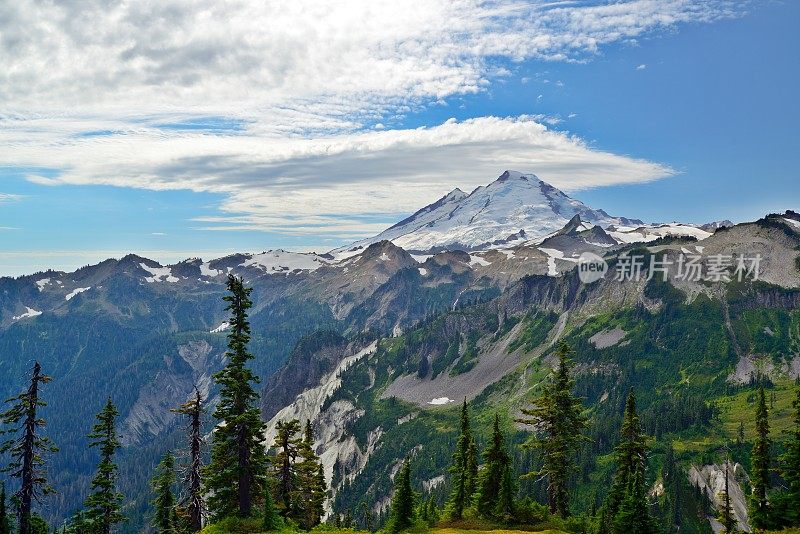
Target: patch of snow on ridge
<point x="206" y="270"/>
<point x="284" y="261"/>
<point x="160" y="274"/>
<point x="422" y="271"/>
<point x="221" y="328"/>
<point x="41" y="283"/>
<point x="477" y="260"/>
<point x="645" y="234"/>
<point x="440" y="401"/>
<point x="76" y="292"/>
<point x="794" y="223"/>
<point x="552" y="254"/>
<point x="29" y="312"/>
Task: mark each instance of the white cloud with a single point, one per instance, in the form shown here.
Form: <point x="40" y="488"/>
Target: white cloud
<point x="641" y="67"/>
<point x="322" y="185"/>
<point x="9" y="197"/>
<point x="299" y="83"/>
<point x="250" y="55"/>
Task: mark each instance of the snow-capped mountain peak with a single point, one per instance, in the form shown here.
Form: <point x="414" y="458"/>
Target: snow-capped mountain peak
<point x="515" y="207"/>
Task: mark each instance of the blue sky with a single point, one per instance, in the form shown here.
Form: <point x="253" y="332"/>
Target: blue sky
<point x="655" y="110"/>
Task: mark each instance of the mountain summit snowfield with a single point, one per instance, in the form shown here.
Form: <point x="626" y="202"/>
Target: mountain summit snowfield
<point x="513" y="209"/>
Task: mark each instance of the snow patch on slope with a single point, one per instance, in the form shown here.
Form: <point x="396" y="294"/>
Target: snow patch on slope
<point x="648" y="233"/>
<point x="206" y="270"/>
<point x="77" y="291"/>
<point x="221" y="328"/>
<point x="29" y="312"/>
<point x="275" y="261"/>
<point x="160" y="274"/>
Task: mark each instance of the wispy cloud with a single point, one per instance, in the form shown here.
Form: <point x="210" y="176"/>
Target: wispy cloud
<point x="294" y="111"/>
<point x="322" y="185"/>
<point x="227" y="54"/>
<point x="9" y="197"/>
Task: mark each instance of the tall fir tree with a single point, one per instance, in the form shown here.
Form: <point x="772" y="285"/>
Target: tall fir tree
<point x="310" y="492"/>
<point x="402" y="513"/>
<point x="626" y="505"/>
<point x="471" y="479"/>
<point x="367" y="518"/>
<point x="760" y="458"/>
<point x="237" y="471"/>
<point x="791" y="470"/>
<point x="164" y="501"/>
<point x="560" y="422"/>
<point x="504" y="508"/>
<point x="432" y="511"/>
<point x="27" y="448"/>
<point x="463" y="477"/>
<point x="286" y="445"/>
<point x="633" y="514"/>
<point x="193" y="502"/>
<point x="496" y="462"/>
<point x="726" y="515"/>
<point x="671" y="500"/>
<point x="104" y="503"/>
<point x="5" y="520"/>
<point x="272" y="519"/>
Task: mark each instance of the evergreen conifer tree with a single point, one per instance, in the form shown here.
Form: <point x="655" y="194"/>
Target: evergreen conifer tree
<point x="759" y="502"/>
<point x="633" y="515"/>
<point x="164" y="502"/>
<point x="193" y="502"/>
<point x="367" y="517"/>
<point x="27" y="448"/>
<point x="791" y="470"/>
<point x="310" y="493"/>
<point x="104" y="503"/>
<point x="726" y="516"/>
<point x="237" y="471"/>
<point x="286" y="443"/>
<point x="504" y="508"/>
<point x="402" y="512"/>
<point x="5" y="520"/>
<point x="463" y="478"/>
<point x="627" y="497"/>
<point x="432" y="511"/>
<point x="671" y="479"/>
<point x="272" y="519"/>
<point x="471" y="479"/>
<point x="496" y="463"/>
<point x="558" y="417"/>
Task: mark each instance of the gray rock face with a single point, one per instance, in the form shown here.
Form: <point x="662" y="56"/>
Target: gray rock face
<point x="711" y="479"/>
<point x="150" y="416"/>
